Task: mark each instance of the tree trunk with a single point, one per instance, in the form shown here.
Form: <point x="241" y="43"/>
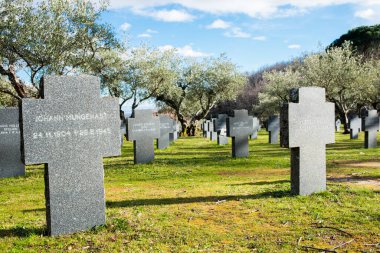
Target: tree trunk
<point x="182" y="121"/>
<point x="344" y="118"/>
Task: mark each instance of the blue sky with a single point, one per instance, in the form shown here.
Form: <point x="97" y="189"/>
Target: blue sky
<point x="253" y="33"/>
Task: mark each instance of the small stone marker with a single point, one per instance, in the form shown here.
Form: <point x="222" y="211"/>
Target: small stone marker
<point x="355" y="126"/>
<point x="370" y="125"/>
<point x="70" y="131"/>
<point x="10" y="151"/>
<point x="256" y="127"/>
<point x="166" y="127"/>
<point x="213" y="134"/>
<point x="273" y="128"/>
<point x="239" y="128"/>
<point x="220" y="128"/>
<point x="206" y="130"/>
<point x="311" y="127"/>
<point x="173" y="136"/>
<point x="142" y="130"/>
<point x="337" y="125"/>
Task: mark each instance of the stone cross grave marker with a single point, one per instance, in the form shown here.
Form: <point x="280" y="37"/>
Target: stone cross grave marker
<point x="311" y="127"/>
<point x="174" y="134"/>
<point x="10" y="150"/>
<point x="70" y="130"/>
<point x="213" y="134"/>
<point x="206" y="130"/>
<point x="355" y="125"/>
<point x="143" y="129"/>
<point x="220" y="128"/>
<point x="370" y="125"/>
<point x="337" y="125"/>
<point x="166" y="127"/>
<point x="256" y="127"/>
<point x="239" y="128"/>
<point x="273" y="128"/>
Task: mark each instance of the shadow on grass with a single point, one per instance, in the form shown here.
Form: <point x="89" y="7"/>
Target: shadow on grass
<point x="173" y="201"/>
<point x="34" y="210"/>
<point x="263" y="183"/>
<point x="20" y="231"/>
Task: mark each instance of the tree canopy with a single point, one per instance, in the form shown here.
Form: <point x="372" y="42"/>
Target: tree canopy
<point x="48" y="37"/>
<point x="365" y="40"/>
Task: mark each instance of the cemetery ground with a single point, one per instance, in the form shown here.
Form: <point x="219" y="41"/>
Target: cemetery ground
<point x="195" y="198"/>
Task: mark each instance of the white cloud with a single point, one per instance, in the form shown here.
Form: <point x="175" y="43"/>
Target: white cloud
<point x="151" y="31"/>
<point x="254" y="8"/>
<point x="125" y="26"/>
<point x="219" y="24"/>
<point x="236" y="32"/>
<point x="144" y="35"/>
<point x="365" y="14"/>
<point x="260" y="38"/>
<point x="168" y="15"/>
<point x="294" y="46"/>
<point x="186" y="51"/>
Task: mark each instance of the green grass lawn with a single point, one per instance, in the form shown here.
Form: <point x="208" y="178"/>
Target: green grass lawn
<point x="196" y="198"/>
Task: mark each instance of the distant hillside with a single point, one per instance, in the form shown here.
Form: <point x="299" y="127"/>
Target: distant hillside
<point x="365" y="39"/>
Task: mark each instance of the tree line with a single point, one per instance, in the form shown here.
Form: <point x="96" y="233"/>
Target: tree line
<point x="68" y="37"/>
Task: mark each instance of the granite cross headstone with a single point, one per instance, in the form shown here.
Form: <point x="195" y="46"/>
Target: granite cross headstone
<point x="174" y="134"/>
<point x="337" y="125"/>
<point x="206" y="130"/>
<point x="221" y="129"/>
<point x="239" y="128"/>
<point x="70" y="130"/>
<point x="10" y="151"/>
<point x="355" y="126"/>
<point x="142" y="130"/>
<point x="273" y="128"/>
<point x="256" y="127"/>
<point x="213" y="134"/>
<point x="166" y="127"/>
<point x="370" y="125"/>
<point x="311" y="127"/>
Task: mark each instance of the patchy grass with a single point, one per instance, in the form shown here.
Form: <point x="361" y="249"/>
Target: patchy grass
<point x="196" y="198"/>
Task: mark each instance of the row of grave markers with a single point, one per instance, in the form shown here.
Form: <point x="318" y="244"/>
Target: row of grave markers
<point x="72" y="140"/>
<point x="144" y="128"/>
<point x="216" y="128"/>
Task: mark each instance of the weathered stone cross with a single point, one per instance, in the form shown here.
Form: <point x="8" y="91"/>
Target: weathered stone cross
<point x="221" y="129"/>
<point x="10" y="152"/>
<point x="70" y="131"/>
<point x="355" y="126"/>
<point x="311" y="127"/>
<point x="239" y="128"/>
<point x="143" y="129"/>
<point x="273" y="128"/>
<point x="370" y="125"/>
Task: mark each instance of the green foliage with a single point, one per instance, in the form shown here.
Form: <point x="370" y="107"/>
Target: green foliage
<point x="365" y="39"/>
<point x="199" y="86"/>
<point x="195" y="198"/>
<point x="349" y="80"/>
<point x="49" y="36"/>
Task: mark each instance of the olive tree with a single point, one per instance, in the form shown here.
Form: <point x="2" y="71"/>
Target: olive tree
<point x="200" y="84"/>
<point x="49" y="37"/>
